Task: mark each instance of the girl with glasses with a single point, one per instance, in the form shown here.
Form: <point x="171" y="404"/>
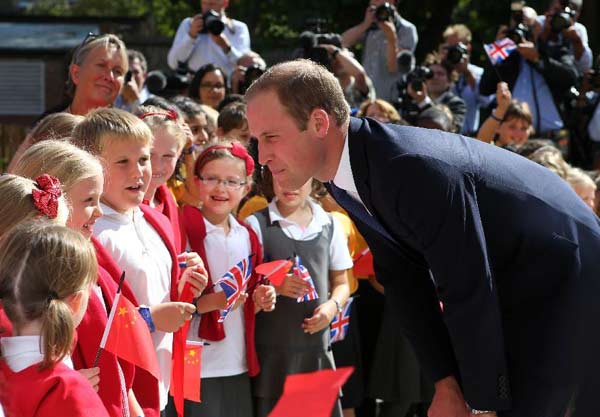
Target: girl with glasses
<point x="223" y="174"/>
<point x="209" y="85"/>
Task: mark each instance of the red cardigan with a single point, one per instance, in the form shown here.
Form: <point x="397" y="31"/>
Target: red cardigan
<point x="145" y="386"/>
<point x="57" y="391"/>
<point x="210" y="328"/>
<point x="171" y="211"/>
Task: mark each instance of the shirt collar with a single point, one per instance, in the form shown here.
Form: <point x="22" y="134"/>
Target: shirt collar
<point x="121" y="218"/>
<point x="234" y="226"/>
<point x="24" y="351"/>
<point x="344" y="178"/>
<point x="320" y="217"/>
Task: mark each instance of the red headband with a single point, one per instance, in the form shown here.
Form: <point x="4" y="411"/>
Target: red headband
<point x="169" y="114"/>
<point x="236" y="150"/>
<point x="46" y="198"/>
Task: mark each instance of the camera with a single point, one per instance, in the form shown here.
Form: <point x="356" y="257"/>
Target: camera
<point x="212" y="23"/>
<point x="519" y="33"/>
<point x="456" y="53"/>
<point x="562" y="19"/>
<point x="253" y="72"/>
<point x="418" y="76"/>
<point x="384" y="12"/>
<point x="128" y="76"/>
<point x="310" y="41"/>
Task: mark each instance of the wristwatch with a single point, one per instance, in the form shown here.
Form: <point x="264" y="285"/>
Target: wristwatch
<point x="337" y="305"/>
<point x="473" y="411"/>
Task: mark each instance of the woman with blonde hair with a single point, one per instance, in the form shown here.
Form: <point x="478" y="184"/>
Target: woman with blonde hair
<point x="96" y="73"/>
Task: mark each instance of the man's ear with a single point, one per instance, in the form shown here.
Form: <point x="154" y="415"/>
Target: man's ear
<point x="74" y="72"/>
<point x="319" y="122"/>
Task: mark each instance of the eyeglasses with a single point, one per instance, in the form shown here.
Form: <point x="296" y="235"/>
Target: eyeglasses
<point x="229" y="184"/>
<point x="210" y="86"/>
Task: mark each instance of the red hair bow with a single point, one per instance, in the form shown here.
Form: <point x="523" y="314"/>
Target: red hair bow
<point x="237" y="150"/>
<point x="241" y="152"/>
<point x="46" y="198"/>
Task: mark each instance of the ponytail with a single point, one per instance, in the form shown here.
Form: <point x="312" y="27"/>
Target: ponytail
<point x="41" y="266"/>
<point x="57" y="331"/>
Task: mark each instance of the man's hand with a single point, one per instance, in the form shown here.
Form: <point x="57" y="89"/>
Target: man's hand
<point x="130" y="92"/>
<point x="448" y="400"/>
<point x="389" y="30"/>
<point x="528" y="51"/>
<point x="417" y="96"/>
<point x="321" y="318"/>
<point x="369" y="17"/>
<point x="92" y="375"/>
<point x="196" y="26"/>
<point x="293" y="287"/>
<point x="169" y="317"/>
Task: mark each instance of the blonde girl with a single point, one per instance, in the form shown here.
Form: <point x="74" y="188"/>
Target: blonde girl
<point x="46" y="272"/>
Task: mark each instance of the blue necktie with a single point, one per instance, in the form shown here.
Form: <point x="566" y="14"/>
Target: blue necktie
<point x="356" y="209"/>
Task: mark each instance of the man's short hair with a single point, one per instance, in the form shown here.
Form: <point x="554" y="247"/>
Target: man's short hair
<point x="462" y="32"/>
<point x="133" y="54"/>
<point x="303" y="86"/>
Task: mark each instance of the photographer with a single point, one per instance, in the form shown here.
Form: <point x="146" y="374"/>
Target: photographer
<point x="134" y="91"/>
<point x="563" y="15"/>
<point x="436" y="90"/>
<point x="384" y="34"/>
<point x="209" y="38"/>
<point x="586" y="114"/>
<point x="456" y="51"/>
<point x="538" y="73"/>
<point x="249" y="67"/>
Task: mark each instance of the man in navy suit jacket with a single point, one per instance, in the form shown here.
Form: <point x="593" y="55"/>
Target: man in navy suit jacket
<point x="506" y="246"/>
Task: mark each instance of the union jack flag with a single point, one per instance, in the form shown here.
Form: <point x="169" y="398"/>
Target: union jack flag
<point x="499" y="50"/>
<point x="341" y="323"/>
<point x="233" y="283"/>
<point x="301" y="272"/>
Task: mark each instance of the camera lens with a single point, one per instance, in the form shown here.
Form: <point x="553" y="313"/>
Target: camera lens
<point x="213" y="23"/>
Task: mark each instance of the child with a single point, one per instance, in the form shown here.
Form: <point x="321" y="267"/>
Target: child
<point x="169" y="139"/>
<point x="232" y="123"/>
<point x="82" y="181"/>
<point x="224" y="172"/>
<point x="54" y="126"/>
<point x="295" y="338"/>
<point x="20" y="205"/>
<point x="510" y="123"/>
<point x="583" y="185"/>
<point x="45" y="276"/>
<point x="139" y="239"/>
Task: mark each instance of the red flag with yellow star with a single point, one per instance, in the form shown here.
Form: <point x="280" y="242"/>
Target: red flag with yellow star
<point x="191" y="371"/>
<point x="127" y="336"/>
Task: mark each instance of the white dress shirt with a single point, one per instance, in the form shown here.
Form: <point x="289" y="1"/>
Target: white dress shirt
<point x="226" y="357"/>
<point x="139" y="250"/>
<point x="203" y="50"/>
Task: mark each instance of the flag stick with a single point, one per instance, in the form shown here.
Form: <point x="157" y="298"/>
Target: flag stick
<point x="97" y="359"/>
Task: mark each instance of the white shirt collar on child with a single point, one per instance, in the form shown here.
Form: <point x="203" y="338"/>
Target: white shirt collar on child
<point x="20" y="352"/>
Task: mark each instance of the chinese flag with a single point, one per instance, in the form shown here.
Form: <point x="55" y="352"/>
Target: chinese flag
<point x="127" y="336"/>
<point x="274" y="271"/>
<point x="363" y="264"/>
<point x="312" y="394"/>
<point x="191" y="371"/>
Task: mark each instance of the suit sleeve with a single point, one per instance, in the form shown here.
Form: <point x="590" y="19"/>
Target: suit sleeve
<point x="437" y="204"/>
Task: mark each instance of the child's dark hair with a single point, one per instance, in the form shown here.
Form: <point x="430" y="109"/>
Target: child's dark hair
<point x="232" y="117"/>
<point x="187" y="106"/>
<point x="41" y="265"/>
